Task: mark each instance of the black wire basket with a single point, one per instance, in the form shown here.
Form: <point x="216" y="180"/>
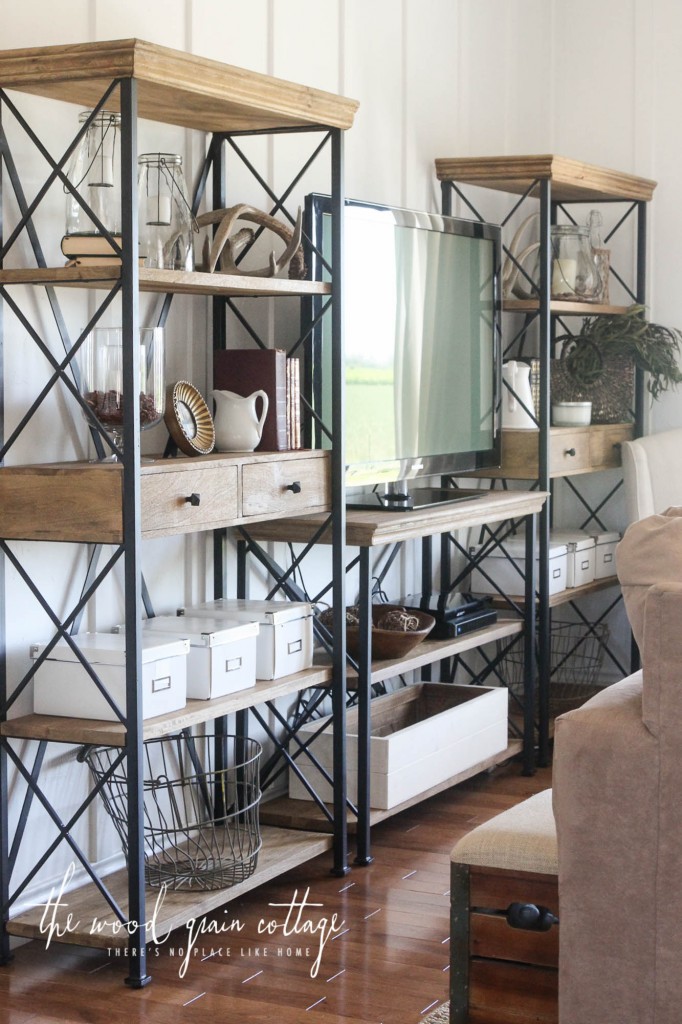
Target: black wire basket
<point x="576" y="656"/>
<point x="201" y="802"/>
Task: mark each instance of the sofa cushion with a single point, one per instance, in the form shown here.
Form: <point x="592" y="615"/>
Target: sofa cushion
<point x="650" y="552"/>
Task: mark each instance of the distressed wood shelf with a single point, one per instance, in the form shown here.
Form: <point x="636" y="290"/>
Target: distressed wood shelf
<point x="180" y="282"/>
<point x="572" y="180"/>
<point x="566" y="596"/>
<point x="371" y="529"/>
<point x="562" y="308"/>
<point x="281" y="851"/>
<point x="173" y="87"/>
<point x="59" y="729"/>
<point x="284" y="812"/>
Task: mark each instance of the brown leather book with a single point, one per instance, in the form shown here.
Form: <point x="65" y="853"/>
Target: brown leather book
<point x="245" y="370"/>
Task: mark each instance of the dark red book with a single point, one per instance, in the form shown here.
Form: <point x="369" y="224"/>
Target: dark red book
<point x="245" y="370"/>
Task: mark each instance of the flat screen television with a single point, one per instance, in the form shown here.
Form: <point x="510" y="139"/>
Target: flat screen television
<point x="422" y="348"/>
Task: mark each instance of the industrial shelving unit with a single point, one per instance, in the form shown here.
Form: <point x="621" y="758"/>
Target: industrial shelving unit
<point x="121" y="504"/>
<point x="552" y="185"/>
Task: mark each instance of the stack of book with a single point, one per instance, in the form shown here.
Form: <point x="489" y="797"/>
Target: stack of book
<point x="244" y="371"/>
<point x="92" y="250"/>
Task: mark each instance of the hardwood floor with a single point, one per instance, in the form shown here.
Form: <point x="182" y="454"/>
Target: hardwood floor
<point x="385" y="959"/>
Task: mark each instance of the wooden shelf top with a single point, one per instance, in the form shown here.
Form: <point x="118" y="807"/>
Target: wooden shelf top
<point x="430" y="651"/>
<point x="571" y="180"/>
<point x="173" y="86"/>
<point x="59" y="729"/>
<point x="282" y="850"/>
<point x="285" y="812"/>
<point x="165" y="281"/>
<point x="571" y="594"/>
<point x="369" y="529"/>
<point x="562" y="307"/>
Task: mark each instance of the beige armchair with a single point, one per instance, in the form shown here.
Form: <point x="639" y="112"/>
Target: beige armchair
<point x="617" y="795"/>
<point x="652" y="473"/>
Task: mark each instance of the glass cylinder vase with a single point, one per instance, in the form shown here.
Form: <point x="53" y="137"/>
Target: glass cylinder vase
<point x="95" y="171"/>
<point x="101" y="365"/>
<point x="166" y="222"/>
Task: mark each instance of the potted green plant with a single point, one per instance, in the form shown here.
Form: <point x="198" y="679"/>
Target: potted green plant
<point x="598" y="363"/>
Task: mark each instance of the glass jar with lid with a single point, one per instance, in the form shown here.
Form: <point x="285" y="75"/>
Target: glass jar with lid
<point x="575" y="275"/>
<point x="95" y="171"/>
<point x="165" y="216"/>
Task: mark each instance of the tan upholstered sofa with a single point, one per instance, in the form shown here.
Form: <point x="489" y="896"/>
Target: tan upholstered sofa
<point x="617" y="795"/>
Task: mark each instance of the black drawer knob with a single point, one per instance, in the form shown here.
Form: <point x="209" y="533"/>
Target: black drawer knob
<point x="295" y="487"/>
<point x="570" y="451"/>
<point x="193" y="499"/>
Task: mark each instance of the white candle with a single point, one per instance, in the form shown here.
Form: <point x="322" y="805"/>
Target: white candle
<point x="563" y="276"/>
<point x="158" y="210"/>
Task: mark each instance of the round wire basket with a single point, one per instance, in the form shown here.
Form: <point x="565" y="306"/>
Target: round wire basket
<point x="576" y="656"/>
<point x="201" y="799"/>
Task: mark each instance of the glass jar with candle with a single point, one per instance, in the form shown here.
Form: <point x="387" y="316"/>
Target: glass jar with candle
<point x="575" y="276"/>
<point x="165" y="215"/>
<point x="95" y="170"/>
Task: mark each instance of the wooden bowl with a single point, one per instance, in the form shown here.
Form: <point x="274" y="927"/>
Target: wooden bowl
<point x="390" y="643"/>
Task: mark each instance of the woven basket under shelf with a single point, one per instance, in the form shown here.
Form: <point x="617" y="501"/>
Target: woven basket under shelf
<point x="576" y="656"/>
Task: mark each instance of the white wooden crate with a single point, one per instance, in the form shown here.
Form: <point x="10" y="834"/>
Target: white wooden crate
<point x="421" y="736"/>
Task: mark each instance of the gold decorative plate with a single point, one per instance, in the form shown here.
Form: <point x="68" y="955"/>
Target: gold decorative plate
<point x="188" y="419"/>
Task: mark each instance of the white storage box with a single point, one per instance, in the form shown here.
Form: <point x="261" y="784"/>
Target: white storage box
<point x="421" y="736"/>
<point x="605" y="554"/>
<point x="222" y="656"/>
<point x="580" y="557"/>
<point x="62" y="686"/>
<point x="285" y="639"/>
<point x="502" y="571"/>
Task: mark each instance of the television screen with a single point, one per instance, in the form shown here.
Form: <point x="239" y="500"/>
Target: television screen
<point x="422" y="350"/>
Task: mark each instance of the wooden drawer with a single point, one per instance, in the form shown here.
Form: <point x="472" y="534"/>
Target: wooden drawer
<point x="606" y="444"/>
<point x="572" y="450"/>
<point x="569" y="451"/>
<point x="188" y="500"/>
<point x="286" y="487"/>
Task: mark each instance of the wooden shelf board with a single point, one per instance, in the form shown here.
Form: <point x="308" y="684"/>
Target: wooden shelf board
<point x="166" y="281"/>
<point x="367" y="529"/>
<point x="571" y="180"/>
<point x="173" y="86"/>
<point x="560" y="306"/>
<point x="305" y="814"/>
<point x="430" y="651"/>
<point x="565" y="596"/>
<point x="83" y="730"/>
<point x="281" y="851"/>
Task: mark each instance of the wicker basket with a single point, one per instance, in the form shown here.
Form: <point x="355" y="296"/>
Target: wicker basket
<point x="576" y="656"/>
<point x="612" y="394"/>
<point x="201" y="827"/>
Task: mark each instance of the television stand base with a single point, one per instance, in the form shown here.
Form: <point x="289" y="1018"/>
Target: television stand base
<point x="417" y="497"/>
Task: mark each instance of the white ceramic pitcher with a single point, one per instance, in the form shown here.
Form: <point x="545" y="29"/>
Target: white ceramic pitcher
<point x="517" y="376"/>
<point x="238" y="428"/>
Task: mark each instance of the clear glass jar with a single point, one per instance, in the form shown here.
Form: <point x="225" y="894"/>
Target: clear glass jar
<point x="165" y="215"/>
<point x="575" y="275"/>
<point x="101" y="365"/>
<point x="95" y="170"/>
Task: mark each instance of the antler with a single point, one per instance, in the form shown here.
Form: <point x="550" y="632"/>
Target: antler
<point x="224" y="248"/>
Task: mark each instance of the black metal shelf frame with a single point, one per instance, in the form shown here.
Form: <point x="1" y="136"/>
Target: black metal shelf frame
<point x="136" y="597"/>
<point x="540" y="191"/>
